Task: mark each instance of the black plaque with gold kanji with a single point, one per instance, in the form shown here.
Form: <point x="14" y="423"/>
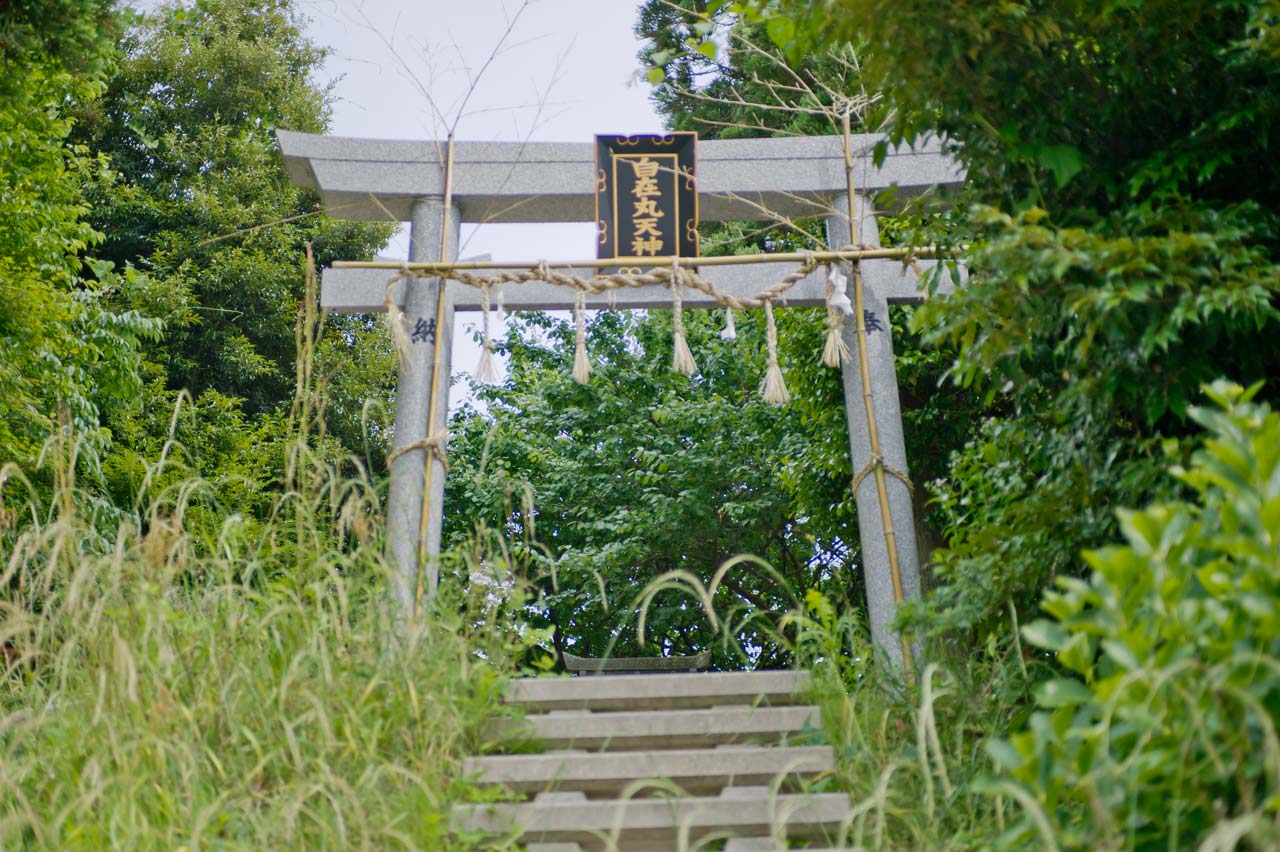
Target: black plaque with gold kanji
<point x="646" y="196"/>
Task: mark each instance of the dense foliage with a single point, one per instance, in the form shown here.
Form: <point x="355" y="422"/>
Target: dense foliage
<point x="644" y="471"/>
<point x="151" y="246"/>
<point x="62" y="35"/>
<point x="1122" y="237"/>
<point x="200" y="199"/>
<point x="1165" y="732"/>
<point x="200" y="204"/>
<point x="66" y="351"/>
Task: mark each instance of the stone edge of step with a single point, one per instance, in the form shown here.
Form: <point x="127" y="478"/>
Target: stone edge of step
<point x="668" y="764"/>
<point x="798" y="810"/>
<point x="663" y="690"/>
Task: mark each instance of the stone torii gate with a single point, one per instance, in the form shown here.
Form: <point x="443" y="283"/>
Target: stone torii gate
<point x="739" y="180"/>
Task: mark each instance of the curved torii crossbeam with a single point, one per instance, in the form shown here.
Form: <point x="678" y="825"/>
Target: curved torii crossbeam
<point x="741" y="180"/>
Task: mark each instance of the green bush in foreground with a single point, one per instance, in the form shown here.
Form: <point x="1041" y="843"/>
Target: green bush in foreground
<point x="1169" y="738"/>
<point x="159" y="691"/>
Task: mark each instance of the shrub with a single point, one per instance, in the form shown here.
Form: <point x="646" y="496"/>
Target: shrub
<point x="1165" y="737"/>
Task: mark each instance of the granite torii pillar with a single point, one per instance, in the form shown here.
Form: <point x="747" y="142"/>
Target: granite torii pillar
<point x="882" y="600"/>
<point x="424" y="321"/>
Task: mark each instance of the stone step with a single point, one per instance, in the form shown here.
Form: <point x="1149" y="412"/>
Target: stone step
<point x="760" y="844"/>
<point x="659" y="691"/>
<point x="695" y="771"/>
<point x="657" y="825"/>
<point x="737" y="844"/>
<point x="619" y="731"/>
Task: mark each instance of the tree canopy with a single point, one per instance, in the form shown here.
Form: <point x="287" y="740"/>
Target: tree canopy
<point x="1121" y="239"/>
<point x="199" y="210"/>
<point x="151" y="245"/>
<point x="644" y="471"/>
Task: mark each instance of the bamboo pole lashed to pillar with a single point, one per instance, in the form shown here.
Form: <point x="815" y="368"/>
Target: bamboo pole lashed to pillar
<point x="868" y="402"/>
<point x="435" y="441"/>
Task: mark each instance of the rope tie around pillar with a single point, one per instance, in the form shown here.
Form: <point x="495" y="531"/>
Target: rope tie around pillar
<point x="435" y="447"/>
<point x="681" y="358"/>
<point x="878" y="461"/>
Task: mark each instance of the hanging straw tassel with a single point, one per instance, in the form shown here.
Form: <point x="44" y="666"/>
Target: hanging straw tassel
<point x="774" y="388"/>
<point x="838" y="307"/>
<point x="681" y="357"/>
<point x="581" y="366"/>
<point x="730" y="331"/>
<point x="485" y="371"/>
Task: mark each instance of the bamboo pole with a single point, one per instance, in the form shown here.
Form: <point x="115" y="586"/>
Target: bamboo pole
<point x="444" y="268"/>
<point x="868" y="403"/>
<point x="429" y="460"/>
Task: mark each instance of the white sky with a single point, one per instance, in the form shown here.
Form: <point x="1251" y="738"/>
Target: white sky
<point x="567" y="71"/>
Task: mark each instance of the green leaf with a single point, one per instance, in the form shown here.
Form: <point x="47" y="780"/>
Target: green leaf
<point x="101" y="268"/>
<point x="1045" y="634"/>
<point x="1121" y="654"/>
<point x="1004" y="755"/>
<point x="781" y="30"/>
<point x="1062" y="692"/>
<point x="1065" y="161"/>
<point x="1077" y="654"/>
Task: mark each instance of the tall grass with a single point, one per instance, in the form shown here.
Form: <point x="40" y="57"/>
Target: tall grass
<point x="166" y="687"/>
<point x="909" y="749"/>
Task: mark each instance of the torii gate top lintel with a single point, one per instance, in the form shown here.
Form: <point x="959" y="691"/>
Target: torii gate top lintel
<point x="738" y="179"/>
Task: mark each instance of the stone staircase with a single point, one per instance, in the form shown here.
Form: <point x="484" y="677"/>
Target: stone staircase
<point x="661" y="763"/>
